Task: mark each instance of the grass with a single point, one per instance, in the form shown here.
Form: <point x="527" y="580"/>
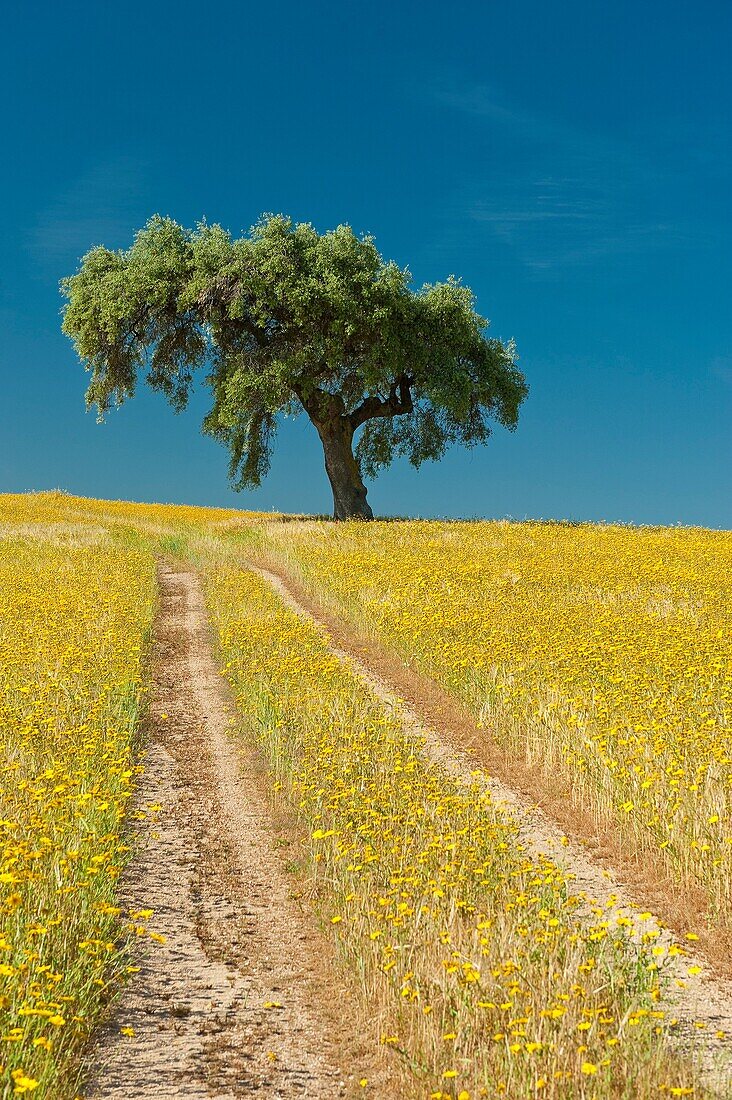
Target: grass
<point x="483" y="969"/>
<point x="73" y="627"/>
<point x="483" y="972"/>
<point x="600" y="656"/>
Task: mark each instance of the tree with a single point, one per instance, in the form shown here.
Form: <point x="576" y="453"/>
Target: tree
<point x="287" y="319"/>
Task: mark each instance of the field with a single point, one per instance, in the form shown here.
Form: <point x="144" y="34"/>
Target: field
<point x="459" y="941"/>
<point x="74" y="615"/>
<point x="600" y="655"/>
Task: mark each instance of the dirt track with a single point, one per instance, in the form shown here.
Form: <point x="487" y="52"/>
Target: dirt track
<point x="702" y="1004"/>
<point x="244" y="997"/>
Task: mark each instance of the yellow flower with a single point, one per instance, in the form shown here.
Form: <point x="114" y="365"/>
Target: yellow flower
<point x="22" y="1082"/>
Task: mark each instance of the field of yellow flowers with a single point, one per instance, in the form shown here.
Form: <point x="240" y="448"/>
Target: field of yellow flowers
<point x="602" y="654"/>
<point x="75" y="611"/>
<point x="487" y="976"/>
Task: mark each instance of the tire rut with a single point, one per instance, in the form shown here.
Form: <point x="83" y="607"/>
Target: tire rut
<point x="244" y="997"/>
<point x="701" y="1003"/>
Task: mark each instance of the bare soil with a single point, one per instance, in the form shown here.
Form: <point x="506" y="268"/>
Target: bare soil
<point x="245" y="996"/>
<point x="701" y="1003"/>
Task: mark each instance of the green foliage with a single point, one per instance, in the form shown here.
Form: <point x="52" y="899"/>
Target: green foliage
<point x="285" y="319"/>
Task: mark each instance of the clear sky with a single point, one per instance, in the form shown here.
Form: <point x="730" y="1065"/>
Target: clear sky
<point x="572" y="162"/>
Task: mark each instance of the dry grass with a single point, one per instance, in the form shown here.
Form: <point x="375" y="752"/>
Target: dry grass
<point x="597" y="660"/>
<point x="680" y="910"/>
<point x="490" y="977"/>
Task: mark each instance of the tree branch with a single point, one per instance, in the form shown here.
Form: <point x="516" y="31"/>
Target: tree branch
<point x="319" y="404"/>
<point x="397" y="403"/>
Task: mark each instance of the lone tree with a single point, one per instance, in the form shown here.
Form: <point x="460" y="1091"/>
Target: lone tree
<point x="288" y="319"/>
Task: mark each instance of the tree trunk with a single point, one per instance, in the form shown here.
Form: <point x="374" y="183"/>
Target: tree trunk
<point x="349" y="491"/>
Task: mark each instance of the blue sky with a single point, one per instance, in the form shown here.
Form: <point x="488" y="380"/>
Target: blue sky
<point x="572" y="162"/>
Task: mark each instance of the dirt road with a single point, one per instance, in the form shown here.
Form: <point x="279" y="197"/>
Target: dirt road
<point x="244" y="996"/>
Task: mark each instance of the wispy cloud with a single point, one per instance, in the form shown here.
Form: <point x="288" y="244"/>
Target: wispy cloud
<point x="99" y="207"/>
<point x="721" y="367"/>
<point x="559" y="195"/>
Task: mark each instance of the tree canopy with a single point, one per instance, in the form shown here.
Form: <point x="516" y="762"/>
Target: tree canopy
<point x="287" y="319"/>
